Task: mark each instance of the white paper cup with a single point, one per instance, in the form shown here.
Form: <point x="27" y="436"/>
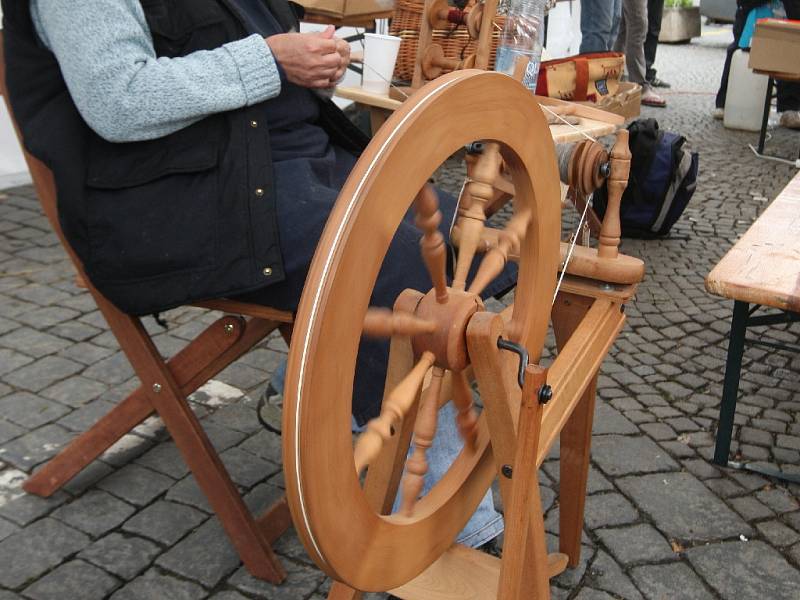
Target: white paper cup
<point x="380" y="54"/>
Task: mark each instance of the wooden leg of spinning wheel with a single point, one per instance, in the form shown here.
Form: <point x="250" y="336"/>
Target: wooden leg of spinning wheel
<point x="524" y="547"/>
<point x="576" y="437"/>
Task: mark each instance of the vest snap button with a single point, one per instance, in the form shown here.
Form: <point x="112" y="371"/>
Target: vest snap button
<point x="253" y="124"/>
<point x="267" y="271"/>
<point x="259" y="192"/>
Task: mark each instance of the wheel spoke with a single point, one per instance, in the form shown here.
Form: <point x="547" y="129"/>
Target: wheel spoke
<point x="472" y="213"/>
<point x="467" y="418"/>
<point x="496" y="258"/>
<point x="397" y="404"/>
<point x="384" y="323"/>
<point x="432" y="243"/>
<point x="424" y="432"/>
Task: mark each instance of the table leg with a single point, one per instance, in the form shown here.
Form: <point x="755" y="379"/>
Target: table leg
<point x="730" y="389"/>
<point x="762" y="137"/>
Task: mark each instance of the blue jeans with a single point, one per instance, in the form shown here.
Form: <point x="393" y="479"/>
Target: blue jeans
<point x="599" y="24"/>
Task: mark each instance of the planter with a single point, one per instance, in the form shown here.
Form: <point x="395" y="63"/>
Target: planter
<point x="680" y="24"/>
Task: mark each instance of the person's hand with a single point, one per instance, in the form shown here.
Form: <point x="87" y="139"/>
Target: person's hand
<point x="312" y="60"/>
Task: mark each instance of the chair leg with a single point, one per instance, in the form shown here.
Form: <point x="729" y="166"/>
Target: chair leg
<point x="203" y="358"/>
<point x="91" y="444"/>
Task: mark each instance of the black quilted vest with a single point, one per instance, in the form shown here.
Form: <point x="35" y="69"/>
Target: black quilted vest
<point x="163" y="222"/>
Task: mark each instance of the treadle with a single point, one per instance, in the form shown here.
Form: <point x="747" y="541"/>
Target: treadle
<point x="463" y="573"/>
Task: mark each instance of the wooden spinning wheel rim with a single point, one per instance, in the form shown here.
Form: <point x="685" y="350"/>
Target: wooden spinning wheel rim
<point x="338" y="528"/>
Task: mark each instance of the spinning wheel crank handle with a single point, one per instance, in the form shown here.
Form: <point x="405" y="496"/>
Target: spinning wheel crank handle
<point x="519" y="351"/>
<point x="545" y="392"/>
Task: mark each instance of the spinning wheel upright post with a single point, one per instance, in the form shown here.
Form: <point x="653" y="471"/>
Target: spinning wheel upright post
<point x="440" y="341"/>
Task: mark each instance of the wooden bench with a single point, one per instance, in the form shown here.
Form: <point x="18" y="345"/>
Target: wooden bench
<point x="763" y="270"/>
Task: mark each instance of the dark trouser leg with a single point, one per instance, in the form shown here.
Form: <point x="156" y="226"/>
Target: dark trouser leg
<point x="738" y="26"/>
<point x="730" y="390"/>
<point x="789" y="91"/>
<point x="655" y="10"/>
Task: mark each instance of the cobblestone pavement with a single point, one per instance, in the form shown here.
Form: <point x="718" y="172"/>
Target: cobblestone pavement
<point x="661" y="520"/>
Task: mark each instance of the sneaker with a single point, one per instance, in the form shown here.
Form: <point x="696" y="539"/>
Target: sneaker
<point x="660" y="83"/>
<point x="718" y="113"/>
<point x="270" y="409"/>
<point x="650" y="98"/>
<point x="790" y="119"/>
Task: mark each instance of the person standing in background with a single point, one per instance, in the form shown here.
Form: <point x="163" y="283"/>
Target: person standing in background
<point x="599" y="24"/>
<point x="655" y="10"/>
<point x="788" y="91"/>
<point x="632" y="34"/>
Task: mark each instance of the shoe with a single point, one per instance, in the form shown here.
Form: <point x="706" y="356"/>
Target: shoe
<point x="718" y="113"/>
<point x="790" y="119"/>
<point x="650" y="98"/>
<point x="270" y="409"/>
<point x="660" y="83"/>
<point x="492" y="547"/>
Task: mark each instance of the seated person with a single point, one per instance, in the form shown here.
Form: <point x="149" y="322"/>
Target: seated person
<point x="195" y="157"/>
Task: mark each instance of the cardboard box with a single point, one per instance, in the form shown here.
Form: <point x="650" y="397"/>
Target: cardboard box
<point x="342" y="9"/>
<point x="776" y="47"/>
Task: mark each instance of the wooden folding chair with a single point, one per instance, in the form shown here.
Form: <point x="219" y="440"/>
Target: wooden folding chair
<point x="164" y="388"/>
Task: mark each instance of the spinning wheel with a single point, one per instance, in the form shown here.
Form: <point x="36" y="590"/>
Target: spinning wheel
<point x="344" y="526"/>
<point x="345" y="535"/>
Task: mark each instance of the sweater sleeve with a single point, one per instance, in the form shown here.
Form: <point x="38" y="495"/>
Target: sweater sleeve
<point x="124" y="92"/>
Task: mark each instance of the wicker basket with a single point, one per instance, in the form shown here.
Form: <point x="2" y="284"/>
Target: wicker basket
<point x="455" y="41"/>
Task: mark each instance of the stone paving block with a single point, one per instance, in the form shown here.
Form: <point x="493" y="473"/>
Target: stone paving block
<point x="112" y="370"/>
<point x="33" y="342"/>
<point x="229" y="595"/>
<point x="154" y="586"/>
<point x="605" y="574"/>
<point x="205" y="555"/>
<point x="36" y="549"/>
<point x="682" y="507"/>
<point x="75" y="579"/>
<point x="701" y="468"/>
<point x="245" y="469"/>
<point x="609" y="420"/>
<point x="31" y="449"/>
<point x="300" y="582"/>
<point x="94" y="513"/>
<point x="659" y="582"/>
<point x="75" y="331"/>
<point x="75" y="391"/>
<point x="750" y="508"/>
<point x="778" y="534"/>
<point x="620" y="455"/>
<point x="42" y="373"/>
<point x="593" y="594"/>
<point x="752" y="570"/>
<point x="659" y="431"/>
<point x="11" y="360"/>
<point x="264" y="444"/>
<point x="186" y="491"/>
<point x="779" y="499"/>
<point x="165" y="522"/>
<point x="136" y="484"/>
<point x="124" y="556"/>
<point x="127" y="448"/>
<point x="83" y="418"/>
<point x="87" y="478"/>
<point x="47" y="316"/>
<point x="636" y="544"/>
<point x="165" y="458"/>
<point x="6" y="529"/>
<point x="604" y="510"/>
<point x="240" y="416"/>
<point x="9" y="431"/>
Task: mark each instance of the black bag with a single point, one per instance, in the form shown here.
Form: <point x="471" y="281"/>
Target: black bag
<point x="662" y="180"/>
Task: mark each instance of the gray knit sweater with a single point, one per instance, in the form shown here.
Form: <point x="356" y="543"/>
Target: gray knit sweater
<point x="105" y="51"/>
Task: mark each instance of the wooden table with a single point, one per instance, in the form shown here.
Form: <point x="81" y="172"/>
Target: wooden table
<point x="762" y="269"/>
<point x="380" y="107"/>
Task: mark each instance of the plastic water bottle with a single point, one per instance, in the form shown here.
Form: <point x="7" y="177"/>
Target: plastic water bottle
<point x="522" y="36"/>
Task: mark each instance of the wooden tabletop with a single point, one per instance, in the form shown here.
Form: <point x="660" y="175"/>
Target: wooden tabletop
<point x="763" y="267"/>
<point x="561" y="133"/>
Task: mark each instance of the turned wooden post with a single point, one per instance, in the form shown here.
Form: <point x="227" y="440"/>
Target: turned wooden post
<point x="472" y="213"/>
<point x="611" y="230"/>
<point x="434" y="62"/>
<point x="424" y="432"/>
<point x="432" y="244"/>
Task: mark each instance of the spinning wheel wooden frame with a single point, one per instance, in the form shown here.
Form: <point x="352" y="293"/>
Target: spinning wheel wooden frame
<point x="345" y="527"/>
